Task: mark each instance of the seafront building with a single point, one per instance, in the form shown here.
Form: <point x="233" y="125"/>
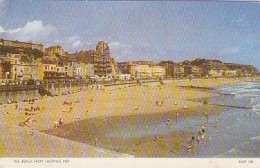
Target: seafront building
<point x="17" y="68"/>
<point x="23" y="61"/>
<point x="142" y="71"/>
<point x="178" y="71"/>
<point x="50" y="69"/>
<point x="101" y="60"/>
<point x="123" y="67"/>
<point x="169" y="67"/>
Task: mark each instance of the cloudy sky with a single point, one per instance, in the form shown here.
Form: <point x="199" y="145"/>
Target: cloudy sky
<point x="140" y="30"/>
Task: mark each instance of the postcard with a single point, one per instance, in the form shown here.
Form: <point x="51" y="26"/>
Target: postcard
<point x="129" y="83"/>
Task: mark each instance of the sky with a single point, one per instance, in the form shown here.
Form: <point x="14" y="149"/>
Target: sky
<point x="140" y="30"/>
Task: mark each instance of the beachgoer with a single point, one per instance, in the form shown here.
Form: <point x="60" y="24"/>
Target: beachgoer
<point x="60" y="122"/>
<point x="202" y="137"/>
<point x="203" y="129"/>
<point x="156" y="138"/>
<point x="198" y="139"/>
<point x="206" y="114"/>
<point x="168" y="122"/>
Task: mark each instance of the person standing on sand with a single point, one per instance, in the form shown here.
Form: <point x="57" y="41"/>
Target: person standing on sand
<point x="198" y="139"/>
<point x="168" y="123"/>
<point x="191" y="144"/>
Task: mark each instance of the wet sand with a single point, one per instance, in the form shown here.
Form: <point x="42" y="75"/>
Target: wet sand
<point x="104" y="118"/>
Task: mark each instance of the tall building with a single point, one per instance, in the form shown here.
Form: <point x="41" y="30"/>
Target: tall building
<point x="101" y="59"/>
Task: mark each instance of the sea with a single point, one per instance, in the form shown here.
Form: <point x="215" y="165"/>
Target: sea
<point x="238" y="128"/>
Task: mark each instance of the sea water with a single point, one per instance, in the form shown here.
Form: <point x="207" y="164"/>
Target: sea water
<point x="240" y="136"/>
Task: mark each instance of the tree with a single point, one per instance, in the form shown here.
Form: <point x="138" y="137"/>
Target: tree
<point x="8" y="49"/>
<point x="33" y="53"/>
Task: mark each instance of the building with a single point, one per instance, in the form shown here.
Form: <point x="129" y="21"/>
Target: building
<point x="230" y="73"/>
<point x="69" y="70"/>
<point x="21" y="45"/>
<point x="178" y="70"/>
<point x="61" y="73"/>
<point x="37" y="47"/>
<point x="187" y="70"/>
<point x="169" y="68"/>
<point x="40" y="70"/>
<point x="140" y="71"/>
<point x="17" y="68"/>
<point x="123" y="67"/>
<point x="49" y="69"/>
<point x="78" y="69"/>
<point x="212" y="65"/>
<point x="101" y="59"/>
<point x="54" y="51"/>
<point x="146" y="71"/>
<point x="196" y="71"/>
<point x="158" y="71"/>
<point x="214" y="73"/>
<point x="29" y="66"/>
<point x="89" y="70"/>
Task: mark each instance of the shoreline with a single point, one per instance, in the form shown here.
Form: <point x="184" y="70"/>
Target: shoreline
<point x="115" y="101"/>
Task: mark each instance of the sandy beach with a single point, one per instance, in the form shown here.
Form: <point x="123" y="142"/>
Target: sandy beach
<point x="115" y="107"/>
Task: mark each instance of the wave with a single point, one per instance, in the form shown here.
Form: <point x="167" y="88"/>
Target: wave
<point x="255" y="100"/>
<point x="247" y="86"/>
<point x="246" y="94"/>
<point x="256" y="107"/>
<point x="255" y="138"/>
